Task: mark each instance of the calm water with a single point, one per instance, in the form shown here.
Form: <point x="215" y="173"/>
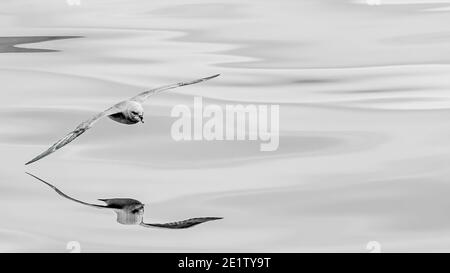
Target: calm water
<point x="364" y="128"/>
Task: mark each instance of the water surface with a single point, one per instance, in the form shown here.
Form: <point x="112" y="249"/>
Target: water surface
<point x="364" y="134"/>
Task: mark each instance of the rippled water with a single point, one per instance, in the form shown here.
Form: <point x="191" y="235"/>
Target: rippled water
<point x="364" y="134"/>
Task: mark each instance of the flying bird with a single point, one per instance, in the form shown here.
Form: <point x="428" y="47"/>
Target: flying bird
<point x="127" y="112"/>
<point x="131" y="212"/>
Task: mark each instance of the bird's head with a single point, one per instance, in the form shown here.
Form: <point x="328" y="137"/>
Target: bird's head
<point x="137" y="209"/>
<point x="136" y="112"/>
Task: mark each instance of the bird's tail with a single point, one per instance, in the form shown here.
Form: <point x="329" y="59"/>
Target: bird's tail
<point x="182" y="224"/>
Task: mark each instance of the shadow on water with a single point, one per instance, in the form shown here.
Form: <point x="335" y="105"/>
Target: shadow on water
<point x="130" y="211"/>
<point x="8" y="44"/>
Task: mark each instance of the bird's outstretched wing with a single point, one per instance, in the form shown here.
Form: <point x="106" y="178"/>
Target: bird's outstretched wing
<point x="145" y="95"/>
<point x="83" y="127"/>
<point x="182" y="224"/>
<point x="65" y="195"/>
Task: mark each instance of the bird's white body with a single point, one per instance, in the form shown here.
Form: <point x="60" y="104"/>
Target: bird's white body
<point x="122" y="118"/>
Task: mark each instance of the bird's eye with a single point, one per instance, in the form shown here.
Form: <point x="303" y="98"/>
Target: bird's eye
<point x="134" y="113"/>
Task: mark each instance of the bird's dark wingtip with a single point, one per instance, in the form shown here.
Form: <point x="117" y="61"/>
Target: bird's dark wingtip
<point x="32" y="175"/>
<point x="211" y="77"/>
<point x="31" y="161"/>
<point x="35" y="159"/>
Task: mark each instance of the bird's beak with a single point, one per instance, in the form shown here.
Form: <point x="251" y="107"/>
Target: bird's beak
<point x="142" y="118"/>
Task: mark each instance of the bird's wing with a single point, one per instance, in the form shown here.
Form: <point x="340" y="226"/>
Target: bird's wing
<point x="145" y="95"/>
<point x="83" y="127"/>
<point x="65" y="195"/>
<point x="182" y="224"/>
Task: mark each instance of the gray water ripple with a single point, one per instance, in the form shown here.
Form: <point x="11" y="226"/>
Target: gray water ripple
<point x="12" y="44"/>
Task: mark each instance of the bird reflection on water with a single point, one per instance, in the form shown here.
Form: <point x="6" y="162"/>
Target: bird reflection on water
<point x="131" y="212"/>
